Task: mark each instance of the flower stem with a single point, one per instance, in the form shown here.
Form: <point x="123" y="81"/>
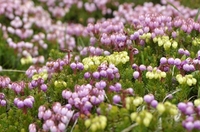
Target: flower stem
<point x="11" y="70"/>
<point x="130" y="127"/>
<point x="74" y="125"/>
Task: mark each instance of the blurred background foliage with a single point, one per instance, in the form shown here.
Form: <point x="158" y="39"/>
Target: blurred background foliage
<point x="191" y="3"/>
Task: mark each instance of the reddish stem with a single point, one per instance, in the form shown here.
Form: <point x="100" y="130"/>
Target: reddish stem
<point x="24" y="110"/>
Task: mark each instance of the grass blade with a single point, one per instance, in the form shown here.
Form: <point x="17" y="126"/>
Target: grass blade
<point x="174" y="7"/>
<point x="197" y="15"/>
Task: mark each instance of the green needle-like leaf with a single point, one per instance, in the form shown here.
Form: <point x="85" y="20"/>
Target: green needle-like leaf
<point x="197" y="15"/>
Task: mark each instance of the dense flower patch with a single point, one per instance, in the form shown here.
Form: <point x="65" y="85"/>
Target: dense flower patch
<point x="99" y="65"/>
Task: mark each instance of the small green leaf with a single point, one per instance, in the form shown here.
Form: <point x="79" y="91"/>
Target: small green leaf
<point x="80" y="41"/>
<point x="198" y="96"/>
<point x="197" y="15"/>
<point x="174" y="7"/>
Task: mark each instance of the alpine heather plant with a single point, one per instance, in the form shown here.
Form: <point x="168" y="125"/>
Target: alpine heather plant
<point x="98" y="66"/>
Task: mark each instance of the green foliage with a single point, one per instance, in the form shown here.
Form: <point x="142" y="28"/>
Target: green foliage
<point x="8" y="57"/>
<point x="192" y="4"/>
<point x="11" y="121"/>
<point x="55" y="54"/>
<point x="117" y="117"/>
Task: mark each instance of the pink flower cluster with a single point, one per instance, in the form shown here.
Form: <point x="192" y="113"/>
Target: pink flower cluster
<point x="192" y="111"/>
<point x="2" y="99"/>
<point x="24" y="103"/>
<point x="55" y="119"/>
<point x="4" y="82"/>
<point x="84" y="98"/>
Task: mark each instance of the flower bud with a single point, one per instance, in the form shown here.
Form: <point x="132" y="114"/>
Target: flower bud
<point x="148" y="98"/>
<point x="66" y="94"/>
<point x="163" y="74"/>
<point x="40" y="114"/>
<point x="32" y="128"/>
<point x="61" y="126"/>
<point x="163" y="60"/>
<point x="64" y="119"/>
<point x="87" y="123"/>
<point x="189" y="125"/>
<point x="47" y="114"/>
<point x="49" y="122"/>
<point x="130" y="90"/>
<point x="146" y="121"/>
<point x="3" y="102"/>
<point x="137" y="101"/>
<point x="154" y="103"/>
<point x="182" y="106"/>
<point x="96" y="75"/>
<point x="80" y="66"/>
<point x="197" y="102"/>
<point x="87" y="75"/>
<point x="174" y="44"/>
<point x="53" y="129"/>
<point x="41" y="108"/>
<point x="194" y="81"/>
<point x="43" y="87"/>
<point x="142" y="67"/>
<point x="197" y="124"/>
<point x="93" y="127"/>
<point x="161" y="108"/>
<point x="116" y="99"/>
<point x="133" y="116"/>
<point x="189" y="82"/>
<point x="173" y="111"/>
<point x="73" y="66"/>
<point x="138" y="119"/>
<point x="170" y="61"/>
<point x="136" y="74"/>
<point x="20" y="104"/>
<point x="28" y="103"/>
<point x="189" y="110"/>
